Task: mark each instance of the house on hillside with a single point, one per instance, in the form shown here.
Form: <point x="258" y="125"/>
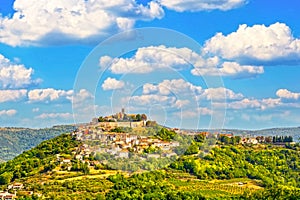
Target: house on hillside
<point x="79" y="157"/>
<point x="249" y="141"/>
<point x="16" y="186"/>
<point x="253" y="141"/>
<point x="65" y="161"/>
<point x="7" y="196"/>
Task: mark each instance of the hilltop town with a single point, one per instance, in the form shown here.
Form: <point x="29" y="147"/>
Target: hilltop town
<point x="121" y="134"/>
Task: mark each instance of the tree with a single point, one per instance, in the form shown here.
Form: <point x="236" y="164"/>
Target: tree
<point x="268" y="139"/>
<point x="85" y="168"/>
<point x="6" y="178"/>
<point x="101" y="119"/>
<point x="199" y="138"/>
<point x="236" y="139"/>
<point x="165" y="134"/>
<point x="138" y="117"/>
<point x="144" y="117"/>
<point x="225" y="139"/>
<point x="192" y="149"/>
<point x="151" y="123"/>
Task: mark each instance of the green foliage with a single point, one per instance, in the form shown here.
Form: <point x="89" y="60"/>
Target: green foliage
<point x="122" y="130"/>
<point x="85" y="188"/>
<point x="281" y="139"/>
<point x="277" y="192"/>
<point x="13" y="141"/>
<point x="152" y="149"/>
<point x="138" y="117"/>
<point x="39" y="159"/>
<point x="278" y="166"/>
<point x="5" y="178"/>
<point x="150" y="185"/>
<point x="151" y="123"/>
<point x="275" y="168"/>
<point x="229" y="140"/>
<point x="165" y="134"/>
<point x="192" y="149"/>
<point x="199" y="138"/>
<point x="101" y="119"/>
<point x="79" y="166"/>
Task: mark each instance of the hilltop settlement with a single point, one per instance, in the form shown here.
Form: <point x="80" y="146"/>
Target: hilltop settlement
<point x="120" y="134"/>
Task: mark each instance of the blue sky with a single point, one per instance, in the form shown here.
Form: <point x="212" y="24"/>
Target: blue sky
<point x="219" y="64"/>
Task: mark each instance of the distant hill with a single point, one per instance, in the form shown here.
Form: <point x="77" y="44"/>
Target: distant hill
<point x="291" y="131"/>
<point x="13" y="141"/>
<point x="294" y="131"/>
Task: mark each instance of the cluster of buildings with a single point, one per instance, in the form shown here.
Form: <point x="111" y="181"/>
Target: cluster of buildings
<point x="120" y="144"/>
<point x="253" y="140"/>
<point x="15" y="187"/>
<point x="120" y="119"/>
<point x="7" y="196"/>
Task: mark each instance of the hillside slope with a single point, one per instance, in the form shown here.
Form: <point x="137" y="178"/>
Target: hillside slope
<point x="227" y="172"/>
<point x="13" y="141"/>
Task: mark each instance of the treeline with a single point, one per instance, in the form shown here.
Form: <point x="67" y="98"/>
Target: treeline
<point x="282" y="139"/>
<point x="229" y="140"/>
<point x="260" y="139"/>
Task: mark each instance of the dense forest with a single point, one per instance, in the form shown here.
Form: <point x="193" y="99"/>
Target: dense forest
<point x="228" y="171"/>
<point x="16" y="140"/>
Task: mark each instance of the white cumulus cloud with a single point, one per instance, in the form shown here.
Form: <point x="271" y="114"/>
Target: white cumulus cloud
<point x="35" y="109"/>
<point x="260" y="104"/>
<point x="258" y="44"/>
<point x="43" y="22"/>
<point x="13" y="76"/>
<point x="112" y="84"/>
<point x="232" y="69"/>
<point x="174" y="86"/>
<point x="199" y="5"/>
<point x="221" y="94"/>
<point x="9" y="113"/>
<point x="82" y="96"/>
<point x="286" y="94"/>
<point x="149" y="99"/>
<point x="54" y="116"/>
<point x="181" y="103"/>
<point x="148" y="59"/>
<point x="49" y="94"/>
<point x="12" y="95"/>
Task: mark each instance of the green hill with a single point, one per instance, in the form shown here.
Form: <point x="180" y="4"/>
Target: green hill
<point x="13" y="141"/>
<point x="51" y="171"/>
